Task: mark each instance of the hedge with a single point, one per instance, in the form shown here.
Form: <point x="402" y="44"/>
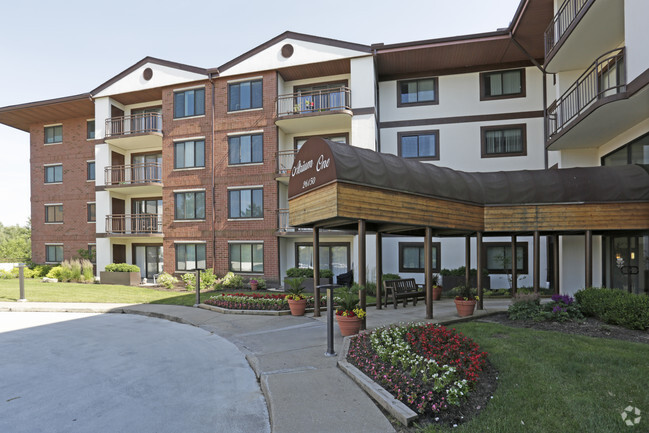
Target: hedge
<point x="615" y="306"/>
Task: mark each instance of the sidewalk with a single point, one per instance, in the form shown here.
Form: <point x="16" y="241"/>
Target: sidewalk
<point x="304" y="388"/>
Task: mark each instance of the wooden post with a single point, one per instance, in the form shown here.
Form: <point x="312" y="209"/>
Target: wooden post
<point x="361" y="266"/>
<point x="479" y="268"/>
<point x="537" y="266"/>
<point x="556" y="264"/>
<point x="316" y="271"/>
<point x="428" y="271"/>
<point x="589" y="258"/>
<point x="514" y="270"/>
<point x="467" y="261"/>
<point x="379" y="269"/>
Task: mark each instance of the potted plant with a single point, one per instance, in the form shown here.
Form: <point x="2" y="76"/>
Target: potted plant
<point x="296" y="300"/>
<point x="465" y="300"/>
<point x="437" y="289"/>
<point x="348" y="314"/>
<point x="254" y="284"/>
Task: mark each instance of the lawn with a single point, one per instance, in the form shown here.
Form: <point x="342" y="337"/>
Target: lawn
<point x="556" y="382"/>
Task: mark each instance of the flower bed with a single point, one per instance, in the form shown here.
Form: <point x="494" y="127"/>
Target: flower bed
<point x="253" y="301"/>
<point x="428" y="368"/>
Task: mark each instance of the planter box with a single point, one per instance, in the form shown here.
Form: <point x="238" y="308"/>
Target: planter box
<point x="308" y="284"/>
<point x="450" y="281"/>
<point x="121" y="278"/>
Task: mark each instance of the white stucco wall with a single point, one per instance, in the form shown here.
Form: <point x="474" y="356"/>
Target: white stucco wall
<point x="362" y="82"/>
<point x="636" y="34"/>
<point x="572" y="263"/>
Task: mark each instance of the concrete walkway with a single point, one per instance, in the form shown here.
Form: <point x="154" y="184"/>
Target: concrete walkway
<point x="304" y="389"/>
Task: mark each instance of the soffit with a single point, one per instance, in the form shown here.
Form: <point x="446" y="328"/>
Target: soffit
<point x="49" y="111"/>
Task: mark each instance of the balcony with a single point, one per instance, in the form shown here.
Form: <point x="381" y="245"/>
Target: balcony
<point x="141" y="225"/>
<point x="328" y="109"/>
<point x="135" y="132"/>
<point x="284" y="229"/>
<point x="285" y="160"/>
<point x="580" y="30"/>
<point x="144" y="178"/>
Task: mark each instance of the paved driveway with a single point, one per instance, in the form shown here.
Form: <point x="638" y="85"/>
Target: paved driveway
<point x="71" y="372"/>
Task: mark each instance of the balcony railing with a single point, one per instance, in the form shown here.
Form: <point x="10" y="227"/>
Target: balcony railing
<point x="605" y="77"/>
<point x="130" y="174"/>
<point x="561" y="21"/>
<point x="317" y="101"/>
<point x="285" y="160"/>
<point x="123" y="224"/>
<point x="134" y="124"/>
<point x="283" y="225"/>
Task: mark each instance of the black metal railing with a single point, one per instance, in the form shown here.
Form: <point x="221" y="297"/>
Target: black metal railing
<point x="133" y="223"/>
<point x="147" y="172"/>
<point x="316" y="101"/>
<point x="561" y="21"/>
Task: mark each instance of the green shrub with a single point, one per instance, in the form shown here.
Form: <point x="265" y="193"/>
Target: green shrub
<point x="461" y="272"/>
<point x="122" y="267"/>
<point x="208" y="279"/>
<point x="370" y="288"/>
<point x="307" y="273"/>
<point x="55" y="272"/>
<point x="388" y="277"/>
<point x="524" y="307"/>
<point x="41" y="271"/>
<point x="615" y="306"/>
<point x="167" y="280"/>
<point x="5" y="275"/>
<point x="87" y="271"/>
<point x="232" y="281"/>
<point x="189" y="279"/>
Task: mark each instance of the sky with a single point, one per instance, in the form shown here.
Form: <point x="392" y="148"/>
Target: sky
<point x="54" y="49"/>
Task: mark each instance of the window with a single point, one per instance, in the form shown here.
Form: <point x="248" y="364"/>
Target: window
<point x="53" y="134"/>
<point x="499" y="257"/>
<point x="245" y="95"/>
<point x="635" y="152"/>
<point x="333" y="256"/>
<point x="53" y="174"/>
<point x="53" y="253"/>
<point x="510" y="140"/>
<point x="54" y="213"/>
<point x="246" y="203"/>
<point x="92" y="253"/>
<point x="412" y="258"/>
<point x="91" y="212"/>
<point x="190" y="205"/>
<point x="420" y="144"/>
<point x="417" y="92"/>
<point x="189" y="154"/>
<point x="90" y="170"/>
<point x="247" y="257"/>
<point x="502" y="84"/>
<point x="190" y="257"/>
<point x="189" y="103"/>
<point x="90" y="129"/>
<point x="246" y="149"/>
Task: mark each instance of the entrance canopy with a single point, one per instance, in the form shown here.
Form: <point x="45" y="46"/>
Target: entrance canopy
<point x="334" y="185"/>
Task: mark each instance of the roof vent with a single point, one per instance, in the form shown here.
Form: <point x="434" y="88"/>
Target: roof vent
<point x="287" y="51"/>
<point x="147" y="74"/>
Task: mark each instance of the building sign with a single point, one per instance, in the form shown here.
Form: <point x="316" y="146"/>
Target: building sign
<point x="313" y="167"/>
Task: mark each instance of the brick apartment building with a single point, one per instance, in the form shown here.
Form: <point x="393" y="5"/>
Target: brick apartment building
<point x="173" y="167"/>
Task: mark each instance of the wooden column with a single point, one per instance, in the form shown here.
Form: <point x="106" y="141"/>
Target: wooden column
<point x="555" y="258"/>
<point x="514" y="270"/>
<point x="589" y="258"/>
<point x="479" y="268"/>
<point x="316" y="271"/>
<point x="428" y="271"/>
<point x="362" y="263"/>
<point x="537" y="258"/>
<point x="379" y="269"/>
<point x="467" y="261"/>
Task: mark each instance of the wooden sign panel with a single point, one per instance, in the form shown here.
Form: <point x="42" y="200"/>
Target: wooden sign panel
<point x="313" y="167"/>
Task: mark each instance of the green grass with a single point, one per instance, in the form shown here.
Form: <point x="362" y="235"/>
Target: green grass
<point x="555" y="382"/>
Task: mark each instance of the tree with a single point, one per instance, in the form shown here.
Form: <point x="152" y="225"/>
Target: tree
<point x="15" y="242"/>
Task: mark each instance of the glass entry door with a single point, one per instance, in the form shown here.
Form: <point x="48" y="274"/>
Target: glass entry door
<point x="627" y="260"/>
<point x="149" y="259"/>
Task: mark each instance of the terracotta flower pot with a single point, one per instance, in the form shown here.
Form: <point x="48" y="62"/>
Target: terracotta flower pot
<point x="437" y="293"/>
<point x="297" y="307"/>
<point x="253" y="286"/>
<point x="349" y="325"/>
<point x="464" y="308"/>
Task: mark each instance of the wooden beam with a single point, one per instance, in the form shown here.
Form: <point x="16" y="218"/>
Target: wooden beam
<point x="589" y="259"/>
<point x="379" y="269"/>
<point x="316" y="271"/>
<point x="362" y="263"/>
<point x="555" y="251"/>
<point x="467" y="260"/>
<point x="428" y="271"/>
<point x="514" y="270"/>
<point x="536" y="259"/>
<point x="479" y="268"/>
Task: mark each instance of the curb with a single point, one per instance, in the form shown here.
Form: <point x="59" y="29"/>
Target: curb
<point x="248" y="312"/>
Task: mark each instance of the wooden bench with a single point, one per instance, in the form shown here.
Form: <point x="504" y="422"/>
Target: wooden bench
<point x="402" y="289"/>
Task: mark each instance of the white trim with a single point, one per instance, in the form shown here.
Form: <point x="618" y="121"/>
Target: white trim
<point x="245" y="219"/>
<point x="52" y="144"/>
<point x="245" y="164"/>
<point x="244" y="111"/>
<point x="53" y="164"/>
<point x="189" y="221"/>
<point x="92" y="243"/>
<point x="156" y="103"/>
<point x="53" y="204"/>
<point x="190" y="242"/>
<point x="188" y="190"/>
<point x="236" y="134"/>
<point x="53" y="124"/>
<point x="61" y="222"/>
<point x="245" y="242"/>
<point x="180" y="140"/>
<point x="234" y="188"/>
<point x="53" y="243"/>
<point x="188" y="117"/>
<point x="182" y="89"/>
<point x="188" y="168"/>
<point x="243" y="80"/>
<point x="52" y="183"/>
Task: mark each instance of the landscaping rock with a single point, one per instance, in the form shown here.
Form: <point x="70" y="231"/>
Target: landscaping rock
<point x="49" y="280"/>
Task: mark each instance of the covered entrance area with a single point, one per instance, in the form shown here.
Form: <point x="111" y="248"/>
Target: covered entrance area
<point x="335" y="185"/>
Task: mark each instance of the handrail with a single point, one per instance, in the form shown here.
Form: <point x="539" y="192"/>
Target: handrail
<point x="134" y="124"/>
<point x="145" y="172"/>
<point x="564" y="17"/>
<point x="314" y="101"/>
<point x="144" y="223"/>
<point x="595" y="83"/>
<point x="285" y="160"/>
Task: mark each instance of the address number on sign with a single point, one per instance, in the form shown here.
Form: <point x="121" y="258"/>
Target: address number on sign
<point x="307" y="183"/>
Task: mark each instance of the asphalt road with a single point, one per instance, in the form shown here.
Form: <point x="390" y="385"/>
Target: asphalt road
<point x="73" y="372"/>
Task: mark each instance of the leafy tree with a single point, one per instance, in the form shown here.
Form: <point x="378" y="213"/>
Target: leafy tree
<point x="15" y="242"/>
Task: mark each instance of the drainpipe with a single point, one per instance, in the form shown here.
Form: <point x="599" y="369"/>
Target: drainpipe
<point x="213" y="179"/>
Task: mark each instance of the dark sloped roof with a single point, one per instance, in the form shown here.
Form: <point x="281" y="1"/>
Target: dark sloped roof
<point x="572" y="185"/>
